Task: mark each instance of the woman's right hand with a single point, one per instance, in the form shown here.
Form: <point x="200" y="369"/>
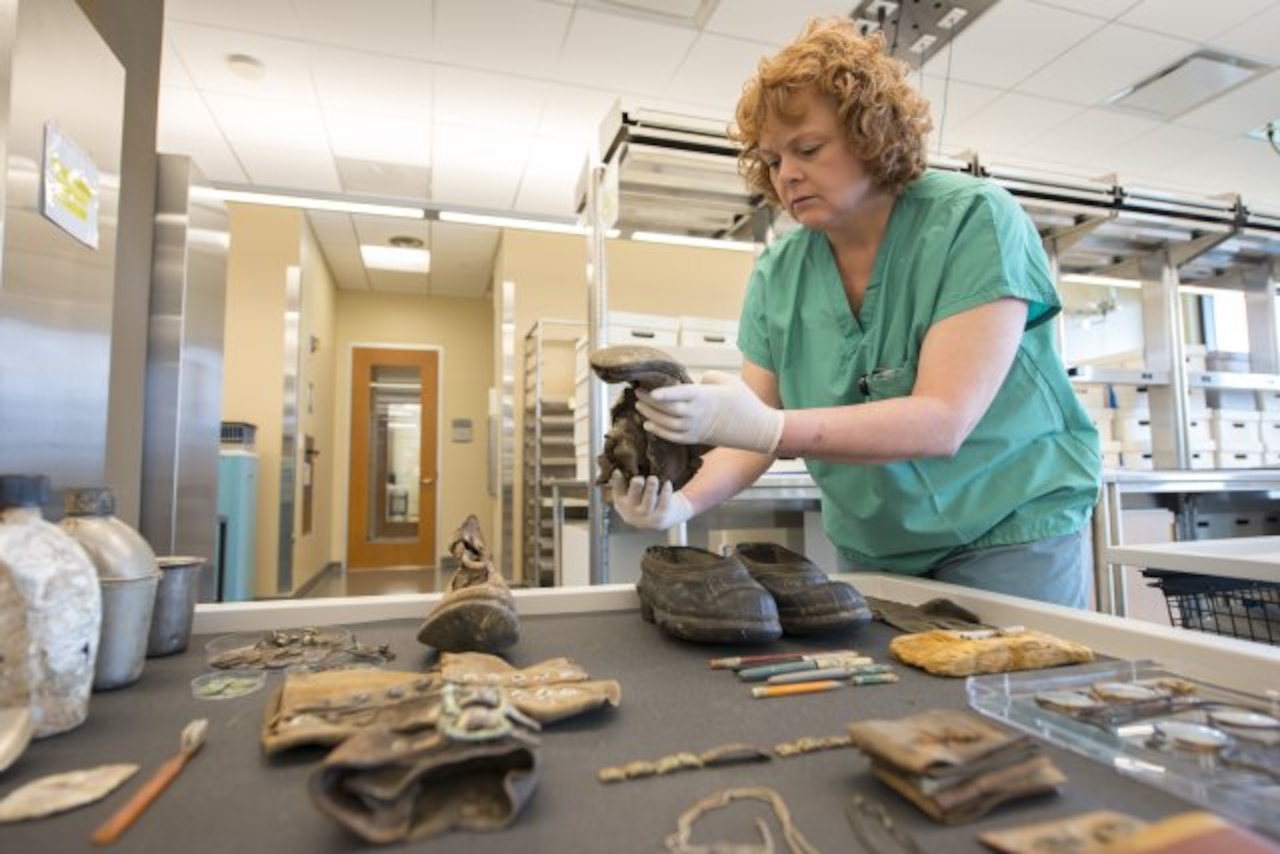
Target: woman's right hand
<point x="645" y="503"/>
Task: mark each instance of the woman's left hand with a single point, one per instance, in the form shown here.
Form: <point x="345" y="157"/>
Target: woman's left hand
<point x="722" y="410"/>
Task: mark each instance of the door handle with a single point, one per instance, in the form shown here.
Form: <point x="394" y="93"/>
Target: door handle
<point x="427" y="481"/>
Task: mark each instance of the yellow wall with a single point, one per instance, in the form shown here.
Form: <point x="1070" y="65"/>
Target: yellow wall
<point x="265" y="242"/>
<point x="461" y="330"/>
<point x="317" y="396"/>
<point x="549" y="274"/>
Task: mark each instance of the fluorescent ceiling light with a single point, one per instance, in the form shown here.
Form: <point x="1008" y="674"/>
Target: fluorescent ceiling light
<point x="1185" y="84"/>
<point x="396" y="258"/>
<point x="685" y="240"/>
<point x="283" y="200"/>
<point x="512" y="222"/>
<point x="1105" y="281"/>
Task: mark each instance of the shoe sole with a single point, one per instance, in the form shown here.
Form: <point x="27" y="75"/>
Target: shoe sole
<point x="470" y="627"/>
<point x="825" y="624"/>
<point x="709" y="629"/>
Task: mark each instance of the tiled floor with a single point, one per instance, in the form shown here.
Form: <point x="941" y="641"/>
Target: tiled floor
<point x="375" y="582"/>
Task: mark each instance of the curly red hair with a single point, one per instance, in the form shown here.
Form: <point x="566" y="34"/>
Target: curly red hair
<point x="885" y="119"/>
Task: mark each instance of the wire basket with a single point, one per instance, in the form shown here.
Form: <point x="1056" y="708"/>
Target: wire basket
<point x="1233" y="607"/>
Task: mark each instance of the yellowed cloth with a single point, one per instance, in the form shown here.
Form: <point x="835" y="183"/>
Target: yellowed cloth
<point x="945" y="653"/>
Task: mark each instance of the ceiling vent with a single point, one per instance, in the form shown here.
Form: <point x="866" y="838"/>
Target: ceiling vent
<point x="1185" y="85"/>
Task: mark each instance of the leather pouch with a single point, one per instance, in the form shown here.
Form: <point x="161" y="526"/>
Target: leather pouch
<point x="947" y="653"/>
<point x="475" y="772"/>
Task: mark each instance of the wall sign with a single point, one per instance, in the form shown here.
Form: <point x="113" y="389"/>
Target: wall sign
<point x="69" y="188"/>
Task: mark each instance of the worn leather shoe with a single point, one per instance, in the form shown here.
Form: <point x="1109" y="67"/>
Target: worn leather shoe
<point x="696" y="595"/>
<point x="809" y="603"/>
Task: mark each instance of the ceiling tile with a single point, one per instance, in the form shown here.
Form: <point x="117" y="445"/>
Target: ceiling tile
<point x="1239" y="165"/>
<point x="386" y="28"/>
<point x="308" y="171"/>
<point x="950" y="104"/>
<point x="362" y="82"/>
<point x="527" y="42"/>
<point x="172" y="72"/>
<point x="369" y="137"/>
<point x="486" y="101"/>
<point x="204" y="50"/>
<point x="1193" y="19"/>
<point x="550" y="176"/>
<point x="1152" y="156"/>
<point x="1087" y="138"/>
<point x="1010" y="41"/>
<point x="1107" y="9"/>
<point x="477" y="168"/>
<point x="1256" y="38"/>
<point x="714" y="71"/>
<point x="1011" y="121"/>
<point x="622" y="54"/>
<point x="380" y="178"/>
<point x="290" y="125"/>
<point x="1242" y="109"/>
<point x="572" y="112"/>
<point x="335" y="233"/>
<point x="182" y="112"/>
<point x="1104" y="64"/>
<point x="769" y="21"/>
<point x="274" y="17"/>
<point x="211" y="154"/>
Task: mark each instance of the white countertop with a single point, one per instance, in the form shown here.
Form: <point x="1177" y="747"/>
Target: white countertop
<point x="1253" y="558"/>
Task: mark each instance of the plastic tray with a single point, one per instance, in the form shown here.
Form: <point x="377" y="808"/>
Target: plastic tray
<point x="1240" y="778"/>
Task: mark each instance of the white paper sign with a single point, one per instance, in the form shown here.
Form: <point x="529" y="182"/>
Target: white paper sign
<point x="69" y="188"/>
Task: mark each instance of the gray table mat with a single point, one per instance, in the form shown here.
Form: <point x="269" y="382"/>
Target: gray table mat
<point x="232" y="798"/>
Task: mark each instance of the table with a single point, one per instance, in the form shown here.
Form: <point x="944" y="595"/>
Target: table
<point x="232" y="798"/>
<point x="1108" y="528"/>
<point x="1252" y="558"/>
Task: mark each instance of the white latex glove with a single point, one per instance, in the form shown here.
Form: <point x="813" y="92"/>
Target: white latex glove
<point x="645" y="504"/>
<point x="722" y="410"/>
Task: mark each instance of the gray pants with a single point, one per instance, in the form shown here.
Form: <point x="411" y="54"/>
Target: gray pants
<point x="1057" y="570"/>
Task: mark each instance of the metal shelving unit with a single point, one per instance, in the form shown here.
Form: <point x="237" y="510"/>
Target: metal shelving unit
<point x="548" y="451"/>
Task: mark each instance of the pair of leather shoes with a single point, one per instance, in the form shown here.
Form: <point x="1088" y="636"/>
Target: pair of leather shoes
<point x="751" y="596"/>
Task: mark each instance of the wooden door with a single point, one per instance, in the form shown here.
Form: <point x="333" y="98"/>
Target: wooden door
<point x="391" y="502"/>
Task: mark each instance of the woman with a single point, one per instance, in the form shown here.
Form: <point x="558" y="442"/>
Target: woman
<point x="898" y="342"/>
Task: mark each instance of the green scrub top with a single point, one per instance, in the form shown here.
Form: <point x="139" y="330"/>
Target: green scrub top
<point x="1031" y="467"/>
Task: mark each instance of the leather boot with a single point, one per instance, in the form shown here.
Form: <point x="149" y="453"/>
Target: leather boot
<point x="628" y="447"/>
<point x="809" y="603"/>
<point x="478" y="612"/>
<point x="696" y="595"/>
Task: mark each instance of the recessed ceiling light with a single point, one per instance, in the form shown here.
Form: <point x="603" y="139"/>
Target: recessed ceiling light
<point x="396" y="258"/>
<point x="1187" y="83"/>
<point x="246" y="67"/>
<point x="406" y="241"/>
